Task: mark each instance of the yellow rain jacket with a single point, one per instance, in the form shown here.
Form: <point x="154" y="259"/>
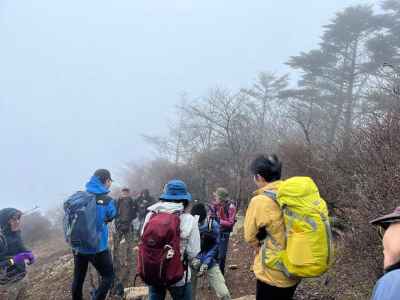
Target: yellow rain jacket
<point x="265" y="212"/>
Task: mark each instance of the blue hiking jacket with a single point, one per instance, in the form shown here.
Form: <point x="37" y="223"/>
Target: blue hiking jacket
<point x="210" y="256"/>
<point x="106" y="212"/>
<point x="388" y="286"/>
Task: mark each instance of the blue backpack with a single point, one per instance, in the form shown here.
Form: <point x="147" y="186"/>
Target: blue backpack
<point x="80" y="220"/>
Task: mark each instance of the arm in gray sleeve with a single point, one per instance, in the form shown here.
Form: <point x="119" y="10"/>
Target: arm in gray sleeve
<point x="193" y="247"/>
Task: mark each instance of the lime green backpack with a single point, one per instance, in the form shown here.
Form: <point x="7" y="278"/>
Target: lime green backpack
<point x="308" y="250"/>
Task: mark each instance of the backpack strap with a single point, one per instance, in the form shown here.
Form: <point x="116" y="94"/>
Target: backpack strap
<point x="209" y="224"/>
<point x="103" y="199"/>
<point x="226" y="209"/>
<point x="272" y="194"/>
<point x="3" y="243"/>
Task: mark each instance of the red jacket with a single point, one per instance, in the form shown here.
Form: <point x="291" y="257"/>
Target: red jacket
<point x="225" y="213"/>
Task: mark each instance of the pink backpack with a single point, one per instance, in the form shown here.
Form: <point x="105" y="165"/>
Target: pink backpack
<point x="159" y="258"/>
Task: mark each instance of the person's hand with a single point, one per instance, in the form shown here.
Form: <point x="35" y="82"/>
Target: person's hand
<point x="32" y="258"/>
<point x="24" y="256"/>
<point x="203" y="269"/>
<point x="196" y="263"/>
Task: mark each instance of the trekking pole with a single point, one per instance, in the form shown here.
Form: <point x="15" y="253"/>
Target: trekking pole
<point x="28" y="212"/>
<point x="3" y="245"/>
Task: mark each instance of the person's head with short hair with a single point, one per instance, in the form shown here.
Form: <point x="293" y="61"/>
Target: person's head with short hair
<point x="199" y="209"/>
<point x="266" y="169"/>
<point x="105" y="177"/>
<point x="221" y="195"/>
<point x="125" y="192"/>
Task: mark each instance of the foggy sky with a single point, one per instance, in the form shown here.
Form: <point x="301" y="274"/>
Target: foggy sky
<point x="80" y="81"/>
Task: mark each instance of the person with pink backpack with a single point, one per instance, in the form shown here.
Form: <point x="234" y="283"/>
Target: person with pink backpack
<point x="170" y="240"/>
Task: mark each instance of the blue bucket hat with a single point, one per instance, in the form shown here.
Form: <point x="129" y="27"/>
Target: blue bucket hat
<point x="175" y="190"/>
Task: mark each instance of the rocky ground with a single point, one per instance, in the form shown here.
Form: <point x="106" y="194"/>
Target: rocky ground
<point x="51" y="276"/>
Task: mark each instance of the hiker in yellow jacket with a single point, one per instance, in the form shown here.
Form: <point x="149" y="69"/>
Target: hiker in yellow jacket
<point x="264" y="217"/>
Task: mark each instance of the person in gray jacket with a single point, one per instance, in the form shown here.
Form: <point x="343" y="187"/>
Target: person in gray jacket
<point x="176" y="199"/>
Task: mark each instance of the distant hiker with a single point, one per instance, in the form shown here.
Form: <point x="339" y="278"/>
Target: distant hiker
<point x="13" y="256"/>
<point x="127" y="210"/>
<point x="264" y="215"/>
<point x="87" y="215"/>
<point x="143" y="202"/>
<point x="126" y="213"/>
<point x="206" y="261"/>
<point x="136" y="221"/>
<point x="388" y="286"/>
<point x="224" y="211"/>
<point x="170" y="241"/>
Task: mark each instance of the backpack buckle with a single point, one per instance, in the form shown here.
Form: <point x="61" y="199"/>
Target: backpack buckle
<point x="170" y="252"/>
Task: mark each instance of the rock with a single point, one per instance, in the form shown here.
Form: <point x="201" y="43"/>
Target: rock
<point x="137" y="293"/>
<point x="233" y="267"/>
<point x="250" y="297"/>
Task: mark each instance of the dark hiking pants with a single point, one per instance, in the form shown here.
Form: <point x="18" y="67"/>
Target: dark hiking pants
<point x="177" y="292"/>
<point x="223" y="250"/>
<point x="268" y="292"/>
<point x="103" y="264"/>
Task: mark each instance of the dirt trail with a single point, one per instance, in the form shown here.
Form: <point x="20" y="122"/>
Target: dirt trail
<point x="51" y="276"/>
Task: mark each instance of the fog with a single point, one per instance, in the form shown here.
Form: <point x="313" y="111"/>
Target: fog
<point x="81" y="81"/>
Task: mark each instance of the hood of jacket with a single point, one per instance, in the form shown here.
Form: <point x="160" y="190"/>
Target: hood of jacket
<point x="164" y="206"/>
<point x="95" y="186"/>
<point x="188" y="222"/>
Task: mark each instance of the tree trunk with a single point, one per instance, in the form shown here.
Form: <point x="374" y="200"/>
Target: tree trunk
<point x="339" y="108"/>
<point x="336" y="117"/>
<point x="349" y="111"/>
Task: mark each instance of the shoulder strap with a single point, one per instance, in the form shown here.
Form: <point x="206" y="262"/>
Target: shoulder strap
<point x="103" y="199"/>
<point x="209" y="224"/>
<point x="227" y="206"/>
<point x="3" y="243"/>
<point x="271" y="194"/>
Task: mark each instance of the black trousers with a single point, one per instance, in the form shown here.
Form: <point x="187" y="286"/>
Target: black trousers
<point x="223" y="250"/>
<point x="103" y="264"/>
<point x="268" y="292"/>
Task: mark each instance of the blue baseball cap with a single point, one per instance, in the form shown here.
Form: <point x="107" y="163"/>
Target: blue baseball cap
<point x="175" y="190"/>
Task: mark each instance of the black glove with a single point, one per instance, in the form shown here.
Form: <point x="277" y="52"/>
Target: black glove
<point x="261" y="234"/>
<point x="203" y="269"/>
<point x="196" y="263"/>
